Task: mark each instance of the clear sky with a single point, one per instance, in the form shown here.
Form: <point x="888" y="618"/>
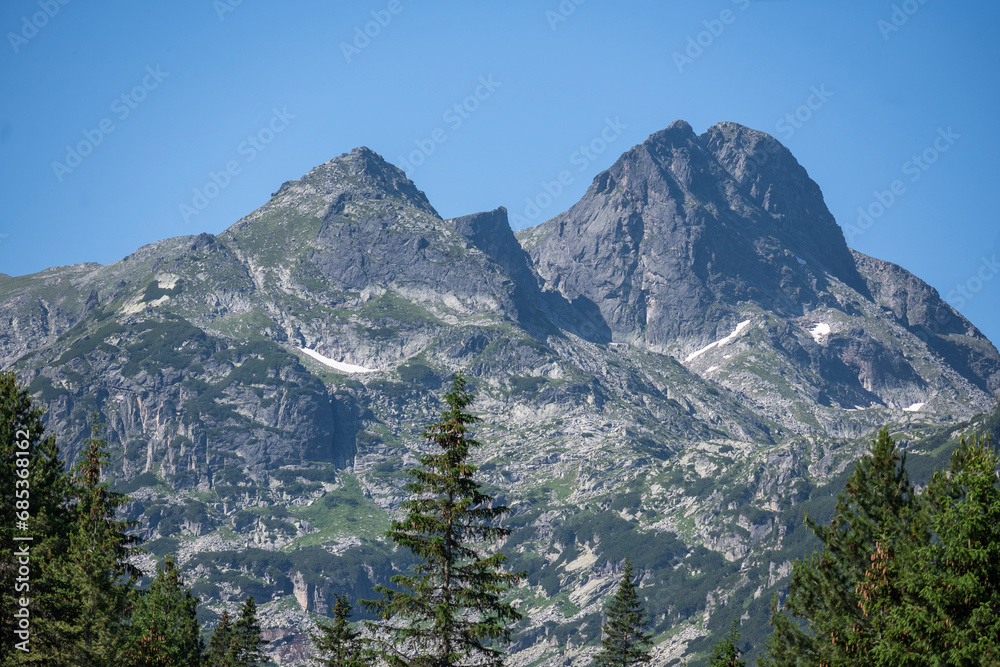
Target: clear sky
<point x="122" y="123"/>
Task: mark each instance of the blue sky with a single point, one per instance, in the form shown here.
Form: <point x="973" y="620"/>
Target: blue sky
<point x="123" y="123"/>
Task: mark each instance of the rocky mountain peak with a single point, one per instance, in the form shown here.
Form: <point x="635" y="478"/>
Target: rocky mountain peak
<point x="769" y="176"/>
<point x="669" y="369"/>
<point x="361" y="174"/>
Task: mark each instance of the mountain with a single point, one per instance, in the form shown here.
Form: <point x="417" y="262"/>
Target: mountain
<point x="687" y="236"/>
<point x="674" y="368"/>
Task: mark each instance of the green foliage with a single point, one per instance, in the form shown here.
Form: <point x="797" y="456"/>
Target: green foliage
<point x="87" y="344"/>
<point x="620" y="538"/>
<point x="726" y="653"/>
<point x="625" y="641"/>
<point x="991" y="427"/>
<point x="903" y="579"/>
<point x="876" y="503"/>
<point x="525" y="384"/>
<point x="449" y="611"/>
<point x="239" y="643"/>
<point x="934" y="597"/>
<point x="99" y="570"/>
<point x="415" y="371"/>
<point x="337" y="644"/>
<point x="171" y="343"/>
<point x="217" y="653"/>
<point x="247" y="643"/>
<point x="34" y="488"/>
<point x="164" y="628"/>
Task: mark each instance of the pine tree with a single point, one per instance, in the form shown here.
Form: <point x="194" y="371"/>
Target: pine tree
<point x="337" y="644"/>
<point x="625" y="641"/>
<point x="877" y="504"/>
<point x="247" y="643"/>
<point x="449" y="611"/>
<point x="726" y="653"/>
<point x="164" y="631"/>
<point x="219" y="650"/>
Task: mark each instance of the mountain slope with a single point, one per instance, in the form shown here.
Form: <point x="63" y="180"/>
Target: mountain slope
<point x="674" y="368"/>
<point x="686" y="237"/>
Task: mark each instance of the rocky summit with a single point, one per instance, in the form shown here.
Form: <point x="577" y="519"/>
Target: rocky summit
<point x="675" y="369"/>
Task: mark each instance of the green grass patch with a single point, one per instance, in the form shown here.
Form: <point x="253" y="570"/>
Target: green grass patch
<point x="340" y="513"/>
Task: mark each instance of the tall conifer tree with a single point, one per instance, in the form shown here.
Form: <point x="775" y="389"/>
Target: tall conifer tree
<point x="164" y="630"/>
<point x="97" y="567"/>
<point x="876" y="504"/>
<point x="937" y="601"/>
<point x="218" y="653"/>
<point x="32" y="474"/>
<point x="625" y="642"/>
<point x="247" y="640"/>
<point x="449" y="611"/>
<point x="726" y="653"/>
<point x="337" y="644"/>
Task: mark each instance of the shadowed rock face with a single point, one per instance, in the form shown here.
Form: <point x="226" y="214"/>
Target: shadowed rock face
<point x="686" y="236"/>
<point x="683" y="226"/>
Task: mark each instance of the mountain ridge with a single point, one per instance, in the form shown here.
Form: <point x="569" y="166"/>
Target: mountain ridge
<point x="675" y="364"/>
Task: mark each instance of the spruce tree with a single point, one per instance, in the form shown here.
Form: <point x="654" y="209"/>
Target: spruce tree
<point x="937" y="601"/>
<point x="876" y="504"/>
<point x="32" y="474"/>
<point x="163" y="631"/>
<point x="337" y="644"/>
<point x="218" y="653"/>
<point x="97" y="569"/>
<point x="247" y="643"/>
<point x="625" y="640"/>
<point x="726" y="653"/>
<point x="449" y="611"/>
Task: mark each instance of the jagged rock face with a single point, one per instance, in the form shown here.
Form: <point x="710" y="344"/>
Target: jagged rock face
<point x="683" y="229"/>
<point x="686" y="236"/>
<point x="769" y="176"/>
<point x="668" y="369"/>
<point x="919" y="308"/>
<point x="357" y="226"/>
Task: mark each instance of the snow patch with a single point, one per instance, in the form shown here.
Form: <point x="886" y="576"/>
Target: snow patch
<point x="914" y="408"/>
<point x="820" y="331"/>
<point x="338" y="365"/>
<point x="712" y="368"/>
<point x="719" y="343"/>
